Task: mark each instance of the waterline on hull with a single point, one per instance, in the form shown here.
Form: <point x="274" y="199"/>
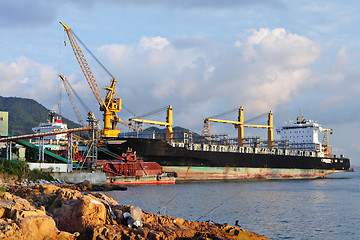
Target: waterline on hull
<point x="240" y="173"/>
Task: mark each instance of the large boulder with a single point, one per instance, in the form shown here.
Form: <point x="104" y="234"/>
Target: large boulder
<point x="38" y="227"/>
<point x="81" y="215"/>
<point x="20" y="220"/>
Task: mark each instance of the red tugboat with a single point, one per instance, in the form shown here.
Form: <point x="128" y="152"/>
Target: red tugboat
<point x="128" y="170"/>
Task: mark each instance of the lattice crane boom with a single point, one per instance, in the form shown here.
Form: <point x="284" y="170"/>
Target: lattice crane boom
<point x="110" y="105"/>
<point x="72" y="101"/>
<point x="84" y="65"/>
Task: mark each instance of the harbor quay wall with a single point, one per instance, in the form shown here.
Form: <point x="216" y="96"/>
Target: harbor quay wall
<point x="78" y="177"/>
<point x="52" y="167"/>
<point x="59" y="170"/>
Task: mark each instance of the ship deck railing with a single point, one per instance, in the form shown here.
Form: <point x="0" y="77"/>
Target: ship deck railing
<point x="256" y="150"/>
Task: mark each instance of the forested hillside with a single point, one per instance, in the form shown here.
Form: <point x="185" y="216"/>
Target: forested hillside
<point x="25" y="114"/>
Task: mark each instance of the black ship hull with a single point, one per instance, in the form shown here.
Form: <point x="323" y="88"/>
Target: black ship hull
<point x="206" y="162"/>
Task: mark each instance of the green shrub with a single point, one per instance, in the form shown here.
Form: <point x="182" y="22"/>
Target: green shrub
<point x="21" y="169"/>
<point x="18" y="168"/>
<point x="2" y="190"/>
<point x="36" y="174"/>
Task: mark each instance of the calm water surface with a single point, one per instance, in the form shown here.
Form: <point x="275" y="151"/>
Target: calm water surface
<point x="288" y="209"/>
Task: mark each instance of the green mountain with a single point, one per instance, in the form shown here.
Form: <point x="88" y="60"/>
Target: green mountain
<point x="25" y="114"/>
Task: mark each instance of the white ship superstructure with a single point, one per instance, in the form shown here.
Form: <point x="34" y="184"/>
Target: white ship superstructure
<point x="53" y="124"/>
<point x="303" y="135"/>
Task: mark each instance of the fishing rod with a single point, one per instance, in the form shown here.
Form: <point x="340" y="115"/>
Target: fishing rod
<point x="217" y="206"/>
<point x="167" y="203"/>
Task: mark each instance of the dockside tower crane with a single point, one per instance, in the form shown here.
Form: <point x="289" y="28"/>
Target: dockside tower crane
<point x="110" y="105"/>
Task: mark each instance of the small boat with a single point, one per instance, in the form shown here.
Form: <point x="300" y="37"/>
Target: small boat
<point x="129" y="170"/>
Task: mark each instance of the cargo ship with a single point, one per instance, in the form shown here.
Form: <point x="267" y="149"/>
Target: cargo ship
<point x="298" y="155"/>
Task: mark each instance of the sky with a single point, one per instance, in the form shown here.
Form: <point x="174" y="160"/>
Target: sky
<point x="202" y="57"/>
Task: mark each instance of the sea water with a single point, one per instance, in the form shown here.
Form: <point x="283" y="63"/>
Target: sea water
<point x="279" y="209"/>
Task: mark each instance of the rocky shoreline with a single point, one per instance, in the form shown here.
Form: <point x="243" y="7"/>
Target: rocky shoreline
<point x="47" y="211"/>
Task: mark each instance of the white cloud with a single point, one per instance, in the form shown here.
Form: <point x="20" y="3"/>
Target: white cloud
<point x="158" y="43"/>
<point x="260" y="71"/>
<point x="267" y="69"/>
<point x="276" y="67"/>
<point x="164" y="88"/>
<point x="29" y="79"/>
<point x="342" y="56"/>
<point x="116" y="52"/>
<point x="280" y="47"/>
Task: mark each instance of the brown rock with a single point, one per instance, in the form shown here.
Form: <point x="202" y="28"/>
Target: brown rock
<point x="81" y="215"/>
<point x="68" y="194"/>
<point x="87" y="184"/>
<point x="104" y="198"/>
<point x="87" y="214"/>
<point x="38" y="227"/>
<point x="66" y="236"/>
<point x="48" y="188"/>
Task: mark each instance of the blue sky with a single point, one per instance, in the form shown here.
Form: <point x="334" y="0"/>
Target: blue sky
<point x="203" y="57"/>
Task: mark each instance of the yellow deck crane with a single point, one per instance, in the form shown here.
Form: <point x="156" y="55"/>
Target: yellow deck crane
<point x="110" y="105"/>
<point x="168" y="124"/>
<point x="327" y="148"/>
<point x="240" y="126"/>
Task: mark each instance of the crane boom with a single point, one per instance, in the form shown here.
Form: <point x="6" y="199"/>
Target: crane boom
<point x="150" y="122"/>
<point x="80" y="57"/>
<point x="110" y="105"/>
<point x="72" y="101"/>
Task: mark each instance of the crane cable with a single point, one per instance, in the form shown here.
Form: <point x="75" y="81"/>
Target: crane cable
<point x="127" y="109"/>
<point x="88" y="50"/>
<point x="78" y="97"/>
<point x="234" y="110"/>
<point x="60" y="85"/>
<point x="225" y="113"/>
<point x="153" y="112"/>
<point x="257" y="117"/>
